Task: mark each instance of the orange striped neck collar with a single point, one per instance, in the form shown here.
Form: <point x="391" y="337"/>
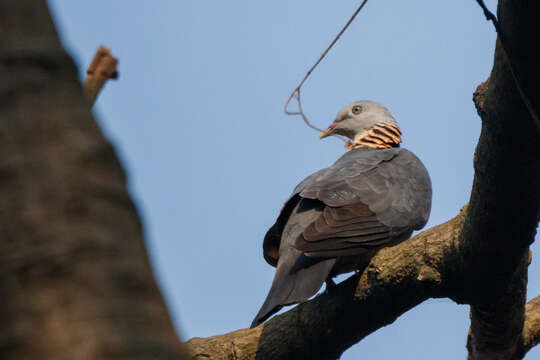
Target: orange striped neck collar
<point x="380" y="136"/>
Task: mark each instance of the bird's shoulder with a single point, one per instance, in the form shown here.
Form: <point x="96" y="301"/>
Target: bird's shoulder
<point x="393" y="183"/>
<point x="361" y="164"/>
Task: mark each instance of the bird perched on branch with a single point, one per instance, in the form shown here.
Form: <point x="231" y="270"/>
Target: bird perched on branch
<point x="373" y="196"/>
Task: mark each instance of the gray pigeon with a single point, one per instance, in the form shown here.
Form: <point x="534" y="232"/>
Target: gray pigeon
<point x="373" y="196"/>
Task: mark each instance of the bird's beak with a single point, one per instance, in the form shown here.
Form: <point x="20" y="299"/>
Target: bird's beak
<point x="331" y="130"/>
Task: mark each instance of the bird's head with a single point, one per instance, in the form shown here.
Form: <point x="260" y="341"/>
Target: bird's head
<point x="365" y="122"/>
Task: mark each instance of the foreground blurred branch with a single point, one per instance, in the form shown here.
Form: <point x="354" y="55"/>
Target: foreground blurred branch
<point x="75" y="279"/>
<point x="102" y="68"/>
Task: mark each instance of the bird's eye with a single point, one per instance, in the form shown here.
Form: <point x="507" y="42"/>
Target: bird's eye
<point x="357" y="109"/>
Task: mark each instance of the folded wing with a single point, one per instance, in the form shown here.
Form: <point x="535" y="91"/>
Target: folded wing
<point x="372" y="198"/>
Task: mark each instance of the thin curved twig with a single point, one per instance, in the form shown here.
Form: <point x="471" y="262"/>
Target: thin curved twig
<point x="296" y="92"/>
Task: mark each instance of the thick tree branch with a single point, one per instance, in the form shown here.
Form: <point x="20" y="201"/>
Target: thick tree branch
<point x="497" y="326"/>
<point x="323" y="328"/>
<point x="420" y="268"/>
<point x="531" y="329"/>
<point x="505" y="198"/>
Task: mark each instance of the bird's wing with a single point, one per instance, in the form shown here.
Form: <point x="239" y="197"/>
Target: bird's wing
<point x="373" y="198"/>
<point x="297" y="277"/>
<point x="347" y="230"/>
<point x="272" y="239"/>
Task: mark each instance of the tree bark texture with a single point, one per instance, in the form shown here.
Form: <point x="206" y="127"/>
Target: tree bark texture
<point x="75" y="280"/>
<point x="505" y="198"/>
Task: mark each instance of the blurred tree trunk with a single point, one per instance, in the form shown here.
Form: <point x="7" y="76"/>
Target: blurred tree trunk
<point x="75" y="279"/>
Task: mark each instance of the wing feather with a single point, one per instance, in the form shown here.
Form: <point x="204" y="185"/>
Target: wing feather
<point x="347" y="229"/>
<point x="371" y="199"/>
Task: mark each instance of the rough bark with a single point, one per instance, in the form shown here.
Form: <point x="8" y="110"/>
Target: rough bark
<point x="497" y="326"/>
<point x="75" y="280"/>
<point x="531" y="328"/>
<point x="505" y="198"/>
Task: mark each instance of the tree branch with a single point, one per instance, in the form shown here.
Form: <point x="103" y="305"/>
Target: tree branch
<point x="511" y="65"/>
<point x="102" y="68"/>
<point x="531" y="329"/>
<point x="505" y="198"/>
<point x="497" y="327"/>
<point x="412" y="271"/>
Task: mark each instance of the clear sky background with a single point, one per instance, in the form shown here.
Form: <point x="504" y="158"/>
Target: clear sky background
<point x="197" y="120"/>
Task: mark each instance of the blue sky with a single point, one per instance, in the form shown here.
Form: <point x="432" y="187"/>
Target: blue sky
<point x="197" y="120"/>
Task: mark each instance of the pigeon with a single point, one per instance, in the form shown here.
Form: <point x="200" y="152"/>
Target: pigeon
<point x="336" y="219"/>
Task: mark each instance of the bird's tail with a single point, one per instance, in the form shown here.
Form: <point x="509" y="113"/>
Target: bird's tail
<point x="297" y="279"/>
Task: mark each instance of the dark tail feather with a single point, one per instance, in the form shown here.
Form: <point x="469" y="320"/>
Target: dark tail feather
<point x="292" y="285"/>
